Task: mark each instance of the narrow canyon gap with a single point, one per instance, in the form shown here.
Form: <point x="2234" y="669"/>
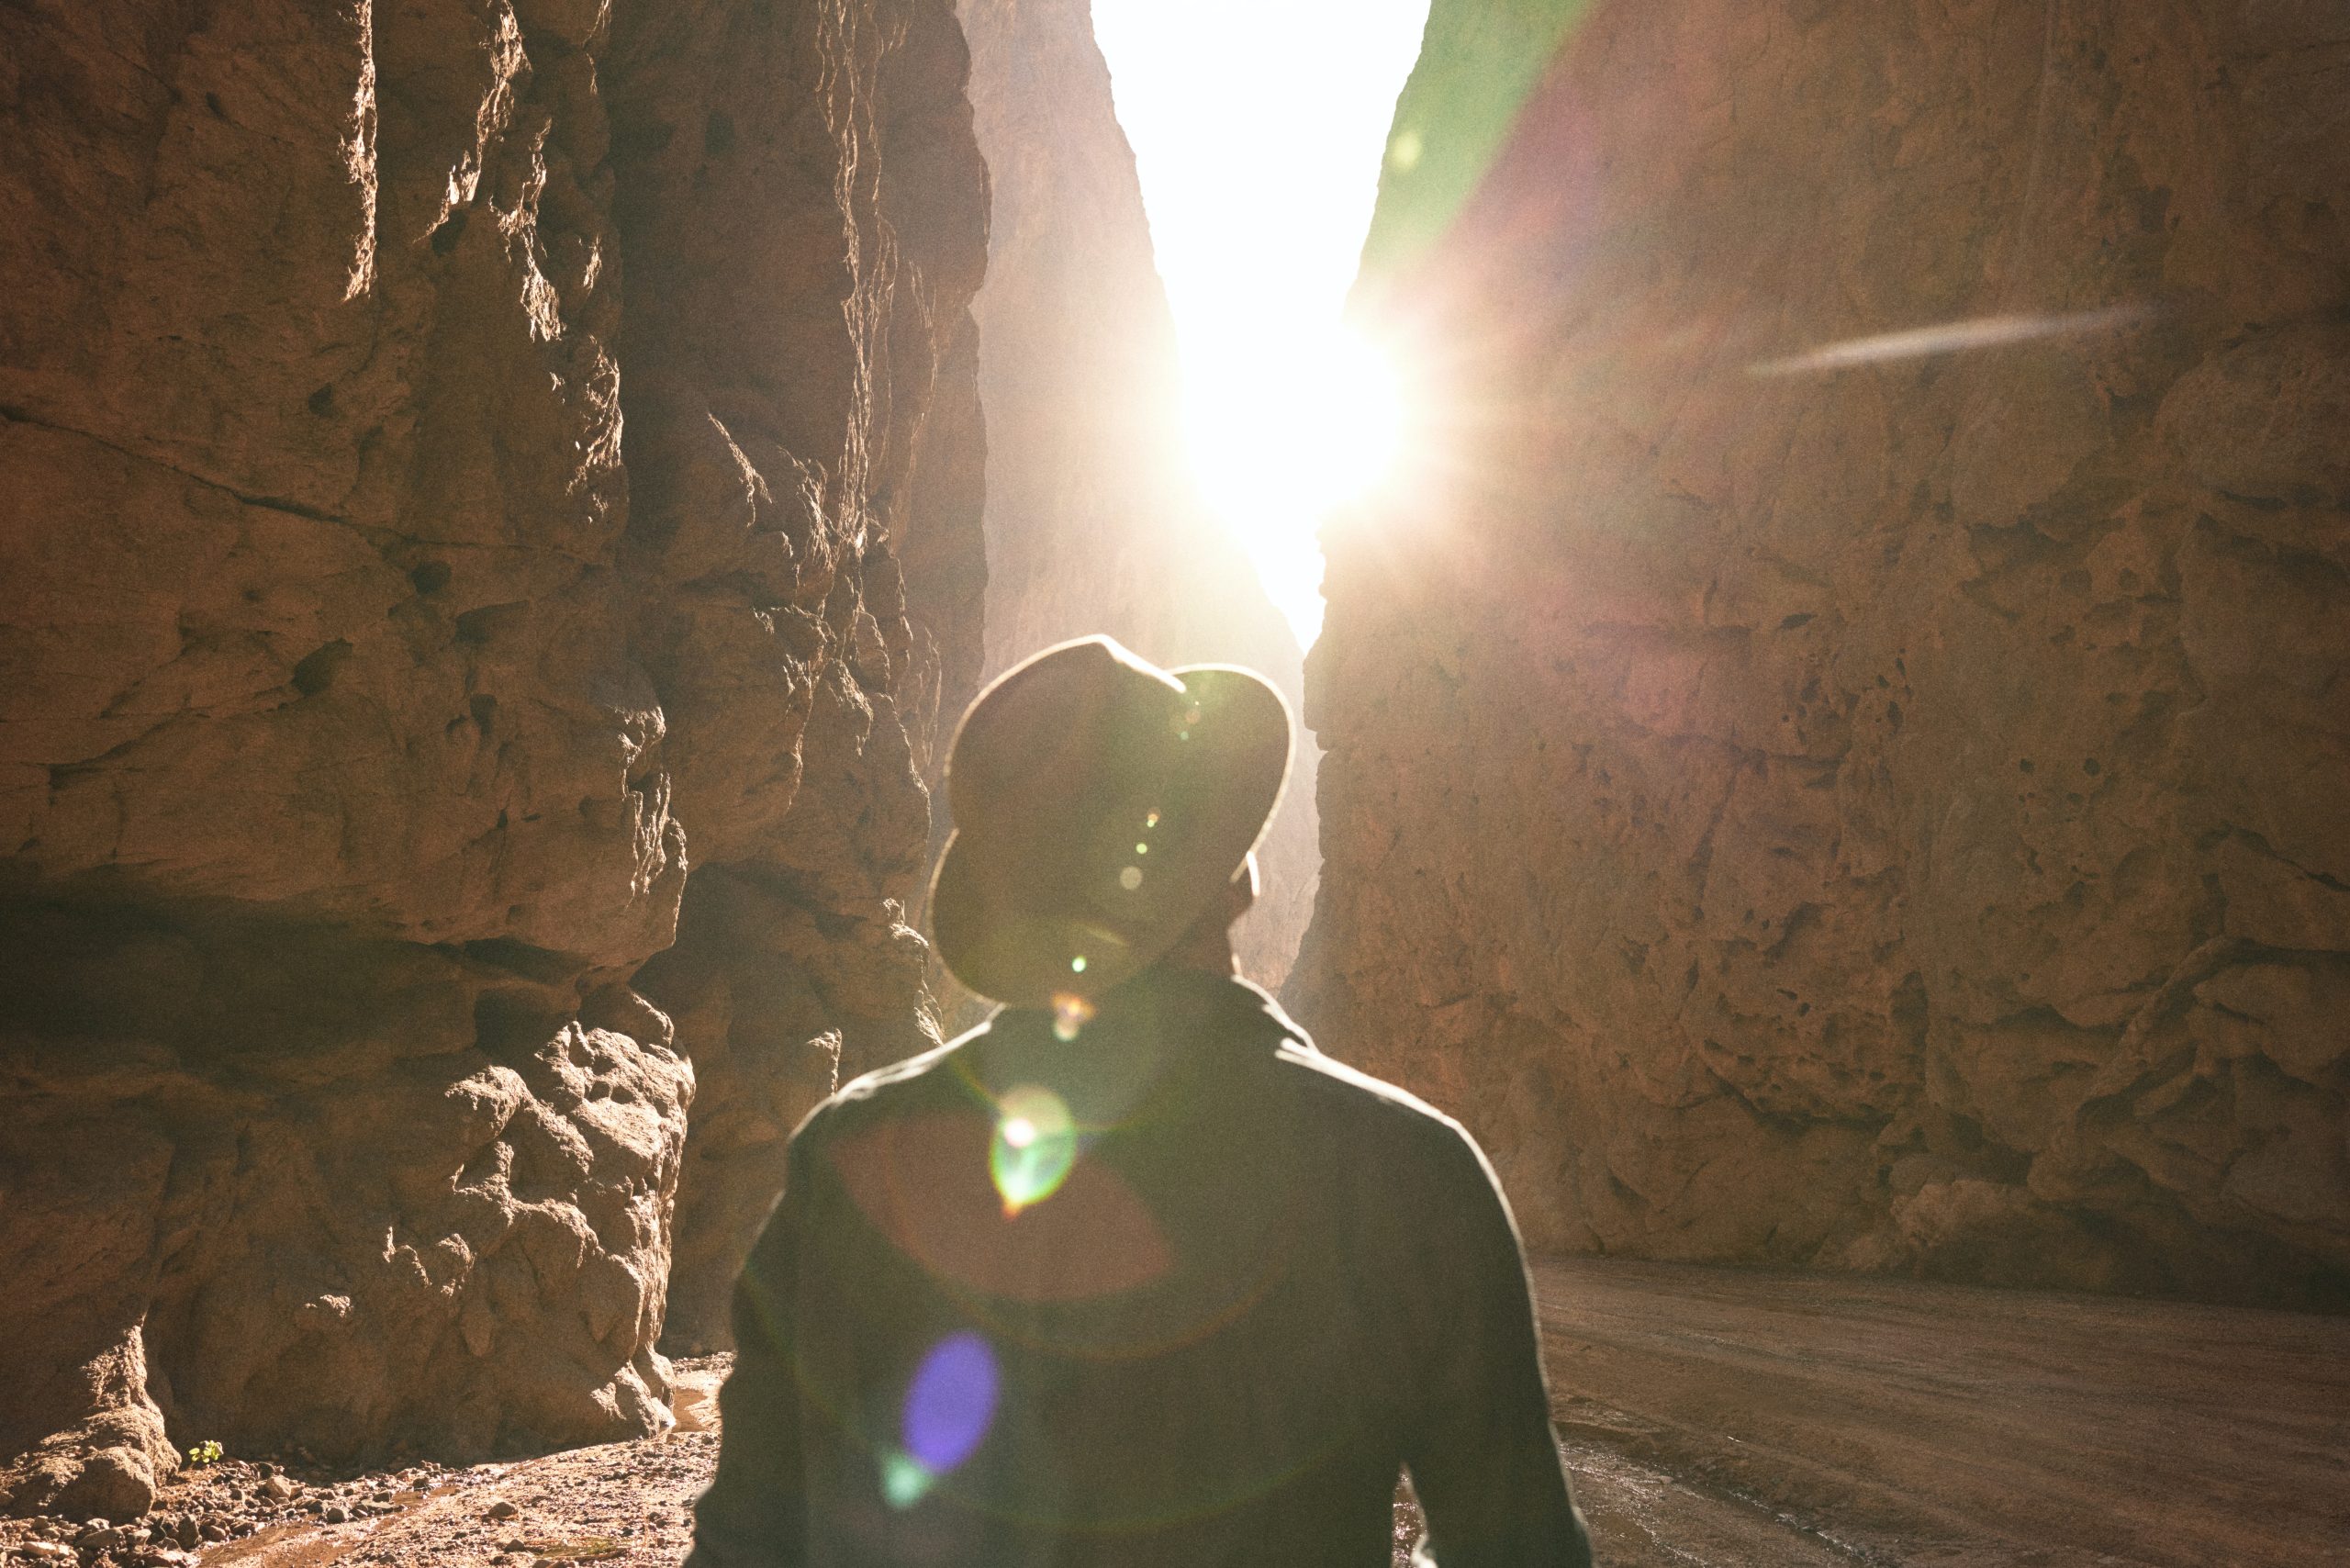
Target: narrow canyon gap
<point x="1878" y="813"/>
<point x="1095" y="519"/>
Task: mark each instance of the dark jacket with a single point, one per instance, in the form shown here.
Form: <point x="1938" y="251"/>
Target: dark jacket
<point x="1201" y="1322"/>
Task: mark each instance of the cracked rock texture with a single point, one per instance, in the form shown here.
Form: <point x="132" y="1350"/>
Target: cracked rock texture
<point x="1873" y="815"/>
<point x="1094" y="523"/>
<point x="803" y="219"/>
<point x="368" y="684"/>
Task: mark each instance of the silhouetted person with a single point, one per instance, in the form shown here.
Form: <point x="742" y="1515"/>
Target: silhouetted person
<point x="1130" y="1275"/>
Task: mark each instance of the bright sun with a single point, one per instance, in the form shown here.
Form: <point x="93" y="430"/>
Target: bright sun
<point x="1282" y="432"/>
<point x="1259" y="167"/>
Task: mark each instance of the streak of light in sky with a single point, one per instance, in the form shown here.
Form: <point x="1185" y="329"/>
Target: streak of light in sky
<point x="1259" y="128"/>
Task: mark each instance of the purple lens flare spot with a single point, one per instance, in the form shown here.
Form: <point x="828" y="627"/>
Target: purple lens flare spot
<point x="951" y="1401"/>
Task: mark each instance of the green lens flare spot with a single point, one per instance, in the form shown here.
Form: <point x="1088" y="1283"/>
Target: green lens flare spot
<point x="1077" y="965"/>
<point x="1034" y="1147"/>
<point x="904" y="1479"/>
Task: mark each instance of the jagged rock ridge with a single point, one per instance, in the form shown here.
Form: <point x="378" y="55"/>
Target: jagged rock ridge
<point x="464" y="466"/>
<point x="1872" y="814"/>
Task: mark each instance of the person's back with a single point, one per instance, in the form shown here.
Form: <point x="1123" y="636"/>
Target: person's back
<point x="1212" y="1341"/>
<point x="1136" y="1280"/>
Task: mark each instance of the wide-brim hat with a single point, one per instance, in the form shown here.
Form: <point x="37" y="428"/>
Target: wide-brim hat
<point x="1100" y="805"/>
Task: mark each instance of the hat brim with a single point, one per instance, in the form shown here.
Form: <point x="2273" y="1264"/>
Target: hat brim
<point x="1023" y="934"/>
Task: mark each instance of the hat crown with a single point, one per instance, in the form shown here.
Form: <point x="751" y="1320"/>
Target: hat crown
<point x="1101" y="804"/>
<point x="1053" y="723"/>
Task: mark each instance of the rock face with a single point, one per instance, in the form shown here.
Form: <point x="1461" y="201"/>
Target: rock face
<point x="1094" y="523"/>
<point x="1870" y="814"/>
<point x="462" y="466"/>
<point x="805" y="230"/>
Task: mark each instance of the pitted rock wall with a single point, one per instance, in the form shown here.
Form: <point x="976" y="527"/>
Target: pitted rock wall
<point x="1094" y="523"/>
<point x="459" y="467"/>
<point x="1879" y="814"/>
<point x="802" y="217"/>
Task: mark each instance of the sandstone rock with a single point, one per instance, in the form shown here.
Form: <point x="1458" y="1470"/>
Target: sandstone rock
<point x="1874" y="814"/>
<point x="1094" y="521"/>
<point x="696" y="1400"/>
<point x="366" y="680"/>
<point x="781" y="514"/>
<point x="532" y="1144"/>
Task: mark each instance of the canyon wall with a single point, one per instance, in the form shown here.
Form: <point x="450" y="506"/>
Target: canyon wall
<point x="469" y="479"/>
<point x="1094" y="523"/>
<point x="1878" y="808"/>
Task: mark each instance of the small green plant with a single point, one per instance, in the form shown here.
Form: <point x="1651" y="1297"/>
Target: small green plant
<point x="206" y="1452"/>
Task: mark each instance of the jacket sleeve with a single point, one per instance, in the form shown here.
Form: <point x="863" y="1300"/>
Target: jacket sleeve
<point x="755" y="1514"/>
<point x="1482" y="1456"/>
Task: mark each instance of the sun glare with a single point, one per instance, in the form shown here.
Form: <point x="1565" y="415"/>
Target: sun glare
<point x="1284" y="431"/>
<point x="1259" y="169"/>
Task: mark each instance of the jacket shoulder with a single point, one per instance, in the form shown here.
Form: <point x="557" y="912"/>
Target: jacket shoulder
<point x="1349" y="1088"/>
<point x="1384" y="1118"/>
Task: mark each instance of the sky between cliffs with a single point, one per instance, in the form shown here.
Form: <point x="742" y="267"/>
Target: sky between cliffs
<point x="1259" y="128"/>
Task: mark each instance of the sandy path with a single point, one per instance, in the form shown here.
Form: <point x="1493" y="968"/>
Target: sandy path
<point x="1896" y="1422"/>
<point x="625" y="1504"/>
<point x="1720" y="1419"/>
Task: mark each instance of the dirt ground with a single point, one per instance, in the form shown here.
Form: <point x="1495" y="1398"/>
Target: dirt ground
<point x="1725" y="1417"/>
<point x="1713" y="1418"/>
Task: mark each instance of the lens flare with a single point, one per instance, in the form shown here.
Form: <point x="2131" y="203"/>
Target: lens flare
<point x="1071" y="1014"/>
<point x="1947" y="338"/>
<point x="951" y="1401"/>
<point x="904" y="1479"/>
<point x="1034" y="1147"/>
<point x="949" y="1406"/>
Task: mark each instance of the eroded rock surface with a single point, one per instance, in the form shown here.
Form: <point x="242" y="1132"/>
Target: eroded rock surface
<point x="1872" y="814"/>
<point x="368" y="684"/>
<point x="1094" y="523"/>
<point x="802" y="218"/>
<point x="282" y="1187"/>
